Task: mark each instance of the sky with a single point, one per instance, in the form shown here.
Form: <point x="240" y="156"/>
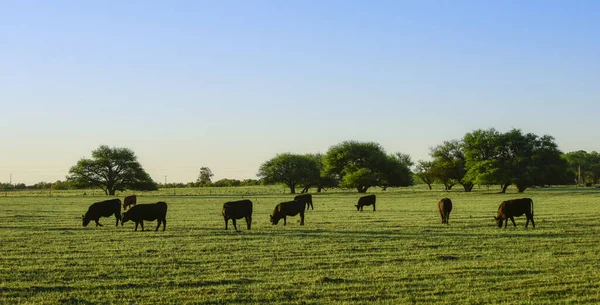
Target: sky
<point x="231" y="84"/>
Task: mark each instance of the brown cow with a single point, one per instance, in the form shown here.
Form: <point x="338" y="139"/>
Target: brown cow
<point x="445" y="207"/>
<point x="129" y="201"/>
<point x="514" y="208"/>
<point x="365" y="201"/>
<point x="289" y="208"/>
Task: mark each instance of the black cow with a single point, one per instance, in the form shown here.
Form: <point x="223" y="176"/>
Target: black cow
<point x="307" y="198"/>
<point x="237" y="209"/>
<point x="365" y="201"/>
<point x="128" y="201"/>
<point x="514" y="208"/>
<point x="289" y="208"/>
<point x="148" y="212"/>
<point x="102" y="209"/>
<point x="445" y="207"/>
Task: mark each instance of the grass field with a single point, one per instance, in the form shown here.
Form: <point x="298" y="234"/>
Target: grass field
<point x="400" y="254"/>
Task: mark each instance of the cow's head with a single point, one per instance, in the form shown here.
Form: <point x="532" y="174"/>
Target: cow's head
<point x="357" y="207"/>
<point x="124" y="218"/>
<point x="499" y="221"/>
<point x="275" y="220"/>
<point x="86" y="221"/>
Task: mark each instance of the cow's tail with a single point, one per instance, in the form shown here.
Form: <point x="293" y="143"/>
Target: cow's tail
<point x="531" y="203"/>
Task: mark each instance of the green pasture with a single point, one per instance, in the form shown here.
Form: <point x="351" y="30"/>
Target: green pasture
<point x="400" y="254"/>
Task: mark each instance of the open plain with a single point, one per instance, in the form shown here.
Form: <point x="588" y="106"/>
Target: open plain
<point x="400" y="254"/>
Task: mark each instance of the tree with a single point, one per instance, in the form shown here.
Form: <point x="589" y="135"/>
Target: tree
<point x="204" y="178"/>
<point x="424" y="172"/>
<point x="524" y="160"/>
<point x="586" y="163"/>
<point x="318" y="179"/>
<point x="449" y="165"/>
<point x="362" y="165"/>
<point x="290" y="169"/>
<point x="111" y="169"/>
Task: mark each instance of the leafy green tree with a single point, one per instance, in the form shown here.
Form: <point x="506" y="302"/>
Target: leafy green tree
<point x="587" y="163"/>
<point x="424" y="171"/>
<point x="318" y="178"/>
<point x="289" y="169"/>
<point x="450" y="165"/>
<point x="204" y="178"/>
<point x="362" y="165"/>
<point x="524" y="160"/>
<point x="111" y="169"/>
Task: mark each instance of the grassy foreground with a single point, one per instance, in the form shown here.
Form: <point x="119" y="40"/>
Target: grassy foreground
<point x="400" y="254"/>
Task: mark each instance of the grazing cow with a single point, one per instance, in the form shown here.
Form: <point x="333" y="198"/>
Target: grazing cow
<point x="129" y="201"/>
<point x="289" y="208"/>
<point x="237" y="209"/>
<point x="306" y="198"/>
<point x="514" y="208"/>
<point x="148" y="212"/>
<point x="102" y="209"/>
<point x="445" y="207"/>
<point x="365" y="201"/>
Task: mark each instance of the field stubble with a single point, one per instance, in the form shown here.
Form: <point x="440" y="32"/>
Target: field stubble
<point x="400" y="254"/>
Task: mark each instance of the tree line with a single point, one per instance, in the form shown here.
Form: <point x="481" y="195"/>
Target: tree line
<point x="481" y="157"/>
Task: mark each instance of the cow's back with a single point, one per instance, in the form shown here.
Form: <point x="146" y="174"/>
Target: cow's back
<point x="367" y="200"/>
<point x="148" y="211"/>
<point x="292" y="208"/>
<point x="445" y="205"/>
<point x="104" y="208"/>
<point x="237" y="209"/>
<point x="516" y="207"/>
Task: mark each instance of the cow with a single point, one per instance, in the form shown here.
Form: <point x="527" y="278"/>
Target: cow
<point x="445" y="207"/>
<point x="129" y="201"/>
<point x="237" y="209"/>
<point x="104" y="208"/>
<point x="288" y="208"/>
<point x="365" y="201"/>
<point x="148" y="212"/>
<point x="307" y="198"/>
<point x="514" y="208"/>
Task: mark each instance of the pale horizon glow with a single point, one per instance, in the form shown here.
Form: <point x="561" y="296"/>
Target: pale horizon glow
<point x="230" y="84"/>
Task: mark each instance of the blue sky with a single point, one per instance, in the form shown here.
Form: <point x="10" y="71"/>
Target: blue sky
<point x="229" y="84"/>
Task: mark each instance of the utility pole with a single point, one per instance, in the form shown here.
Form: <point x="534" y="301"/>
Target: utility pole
<point x="10" y="181"/>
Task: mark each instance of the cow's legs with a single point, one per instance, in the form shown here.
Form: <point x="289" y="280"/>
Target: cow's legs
<point x="136" y="225"/>
<point x="373" y="207"/>
<point x="302" y="218"/>
<point x="226" y="221"/>
<point x="158" y="225"/>
<point x="249" y="221"/>
<point x="97" y="223"/>
<point x="118" y="218"/>
<point x="142" y="224"/>
<point x="513" y="221"/>
<point x="284" y="220"/>
<point x="164" y="224"/>
<point x="532" y="222"/>
<point x="234" y="224"/>
<point x="506" y="223"/>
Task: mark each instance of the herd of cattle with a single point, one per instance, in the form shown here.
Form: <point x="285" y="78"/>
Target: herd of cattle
<point x="234" y="210"/>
